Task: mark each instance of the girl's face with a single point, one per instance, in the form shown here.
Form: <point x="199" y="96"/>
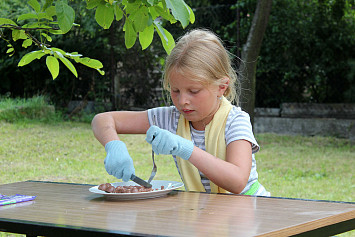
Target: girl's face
<point x="195" y="101"/>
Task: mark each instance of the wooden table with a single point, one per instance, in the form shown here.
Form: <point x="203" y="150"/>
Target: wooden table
<point x="62" y="209"/>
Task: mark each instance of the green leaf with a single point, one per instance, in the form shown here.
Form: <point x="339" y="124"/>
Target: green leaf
<point x="53" y="66"/>
<point x="74" y="55"/>
<point x="51" y="11"/>
<point x="146" y="36"/>
<point x="4" y="21"/>
<point x="26" y="43"/>
<point x="65" y="15"/>
<point x="18" y="34"/>
<point x="140" y="19"/>
<point x="104" y="15"/>
<point x="101" y="71"/>
<point x="10" y="50"/>
<point x="92" y="3"/>
<point x="35" y="5"/>
<point x="130" y="35"/>
<point x="36" y="25"/>
<point x="151" y="2"/>
<point x="48" y="38"/>
<point x="150" y="19"/>
<point x="29" y="57"/>
<point x="159" y="11"/>
<point x="93" y="63"/>
<point x="166" y="38"/>
<point x="56" y="32"/>
<point x="153" y="12"/>
<point x="132" y="7"/>
<point x="69" y="65"/>
<point x="47" y="4"/>
<point x="160" y="30"/>
<point x="179" y="11"/>
<point x="192" y="15"/>
<point x="118" y="12"/>
<point x="58" y="50"/>
<point x="27" y="16"/>
<point x="43" y="15"/>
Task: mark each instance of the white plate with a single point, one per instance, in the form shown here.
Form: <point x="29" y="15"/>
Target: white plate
<point x="156" y="184"/>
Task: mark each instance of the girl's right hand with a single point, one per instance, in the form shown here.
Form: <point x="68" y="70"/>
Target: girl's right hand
<point x="118" y="162"/>
<point x="167" y="143"/>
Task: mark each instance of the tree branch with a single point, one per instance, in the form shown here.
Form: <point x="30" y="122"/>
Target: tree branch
<point x="29" y="35"/>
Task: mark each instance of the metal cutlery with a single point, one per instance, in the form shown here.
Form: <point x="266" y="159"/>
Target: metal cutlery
<point x="154" y="170"/>
<point x="140" y="181"/>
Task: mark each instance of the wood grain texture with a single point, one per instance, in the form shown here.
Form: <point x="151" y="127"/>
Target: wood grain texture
<point x="73" y="207"/>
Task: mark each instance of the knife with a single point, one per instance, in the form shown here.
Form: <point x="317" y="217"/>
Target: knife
<point x="140" y="181"/>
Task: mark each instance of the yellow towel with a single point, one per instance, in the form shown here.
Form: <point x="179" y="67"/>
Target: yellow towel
<point x="215" y="144"/>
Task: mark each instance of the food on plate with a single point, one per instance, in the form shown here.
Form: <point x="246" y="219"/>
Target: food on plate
<point x="109" y="188"/>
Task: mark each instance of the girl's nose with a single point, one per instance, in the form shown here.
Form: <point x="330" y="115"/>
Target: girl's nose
<point x="183" y="99"/>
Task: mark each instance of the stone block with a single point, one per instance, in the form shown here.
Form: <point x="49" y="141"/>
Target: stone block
<point x="341" y="128"/>
<point x="313" y="110"/>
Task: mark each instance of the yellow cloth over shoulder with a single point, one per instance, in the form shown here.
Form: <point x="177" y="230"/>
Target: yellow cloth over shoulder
<point x="215" y="144"/>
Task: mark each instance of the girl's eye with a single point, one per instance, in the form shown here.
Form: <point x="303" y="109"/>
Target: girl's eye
<point x="175" y="91"/>
<point x="194" y="91"/>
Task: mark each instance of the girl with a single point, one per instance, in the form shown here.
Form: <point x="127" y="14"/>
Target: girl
<point x="210" y="139"/>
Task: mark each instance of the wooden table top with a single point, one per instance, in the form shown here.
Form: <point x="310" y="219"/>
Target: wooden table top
<point x="70" y="209"/>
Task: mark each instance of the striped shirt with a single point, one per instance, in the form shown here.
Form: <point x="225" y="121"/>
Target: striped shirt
<point x="238" y="127"/>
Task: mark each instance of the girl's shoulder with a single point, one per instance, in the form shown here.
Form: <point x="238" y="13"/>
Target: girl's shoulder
<point x="166" y="117"/>
<point x="164" y="111"/>
<point x="237" y="113"/>
<point x="238" y="126"/>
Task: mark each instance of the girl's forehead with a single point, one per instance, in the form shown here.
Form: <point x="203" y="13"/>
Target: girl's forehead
<point x="178" y="76"/>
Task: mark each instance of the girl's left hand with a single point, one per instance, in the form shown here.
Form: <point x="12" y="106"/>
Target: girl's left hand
<point x="167" y="143"/>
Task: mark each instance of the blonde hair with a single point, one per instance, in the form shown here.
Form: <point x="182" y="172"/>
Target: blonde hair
<point x="201" y="55"/>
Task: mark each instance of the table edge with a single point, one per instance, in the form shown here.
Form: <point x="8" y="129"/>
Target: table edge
<point x="272" y="197"/>
<point x="345" y="224"/>
<point x="38" y="228"/>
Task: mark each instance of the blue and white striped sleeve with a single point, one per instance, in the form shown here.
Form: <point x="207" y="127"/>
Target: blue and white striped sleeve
<point x="238" y="127"/>
<point x="165" y="118"/>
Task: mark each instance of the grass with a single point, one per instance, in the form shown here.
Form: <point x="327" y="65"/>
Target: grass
<point x="67" y="152"/>
<point x="307" y="167"/>
<point x="289" y="166"/>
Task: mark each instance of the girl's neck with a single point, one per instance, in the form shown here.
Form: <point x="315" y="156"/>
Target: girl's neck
<point x="201" y="125"/>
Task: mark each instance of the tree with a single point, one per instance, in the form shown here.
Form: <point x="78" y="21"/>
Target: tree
<point x="250" y="53"/>
<point x="141" y="18"/>
<point x="302" y="63"/>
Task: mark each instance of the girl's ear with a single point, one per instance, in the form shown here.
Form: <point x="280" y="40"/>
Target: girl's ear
<point x="224" y="83"/>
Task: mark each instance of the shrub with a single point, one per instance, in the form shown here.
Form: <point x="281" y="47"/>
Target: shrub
<point x="35" y="108"/>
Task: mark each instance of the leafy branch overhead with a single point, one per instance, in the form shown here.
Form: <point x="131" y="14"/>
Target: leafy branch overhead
<point x="141" y="19"/>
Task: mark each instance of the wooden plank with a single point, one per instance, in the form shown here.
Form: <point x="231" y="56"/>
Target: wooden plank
<point x="70" y="208"/>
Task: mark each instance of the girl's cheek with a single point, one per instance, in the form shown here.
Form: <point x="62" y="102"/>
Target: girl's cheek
<point x="174" y="98"/>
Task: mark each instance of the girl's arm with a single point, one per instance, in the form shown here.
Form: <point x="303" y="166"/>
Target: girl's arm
<point x="107" y="125"/>
<point x="231" y="174"/>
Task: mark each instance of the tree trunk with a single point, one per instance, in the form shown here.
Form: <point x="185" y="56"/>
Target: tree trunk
<point x="115" y="85"/>
<point x="250" y="55"/>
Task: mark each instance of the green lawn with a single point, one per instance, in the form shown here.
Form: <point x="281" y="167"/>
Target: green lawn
<point x="289" y="166"/>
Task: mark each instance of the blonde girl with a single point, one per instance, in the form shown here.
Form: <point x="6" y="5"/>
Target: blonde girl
<point x="210" y="139"/>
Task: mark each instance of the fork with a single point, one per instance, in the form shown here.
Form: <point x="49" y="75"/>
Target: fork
<point x="154" y="170"/>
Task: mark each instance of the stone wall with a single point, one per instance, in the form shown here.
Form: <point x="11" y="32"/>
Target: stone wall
<point x="336" y="120"/>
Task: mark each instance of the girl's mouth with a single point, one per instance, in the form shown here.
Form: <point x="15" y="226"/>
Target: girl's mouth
<point x="187" y="111"/>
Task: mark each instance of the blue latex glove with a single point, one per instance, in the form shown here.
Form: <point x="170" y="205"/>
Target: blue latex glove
<point x="118" y="162"/>
<point x="167" y="143"/>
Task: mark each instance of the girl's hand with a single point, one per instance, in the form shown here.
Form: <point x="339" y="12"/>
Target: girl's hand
<point x="118" y="162"/>
<point x="167" y="143"/>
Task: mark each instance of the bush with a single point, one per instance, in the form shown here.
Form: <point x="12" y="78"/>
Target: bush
<point x="35" y="108"/>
